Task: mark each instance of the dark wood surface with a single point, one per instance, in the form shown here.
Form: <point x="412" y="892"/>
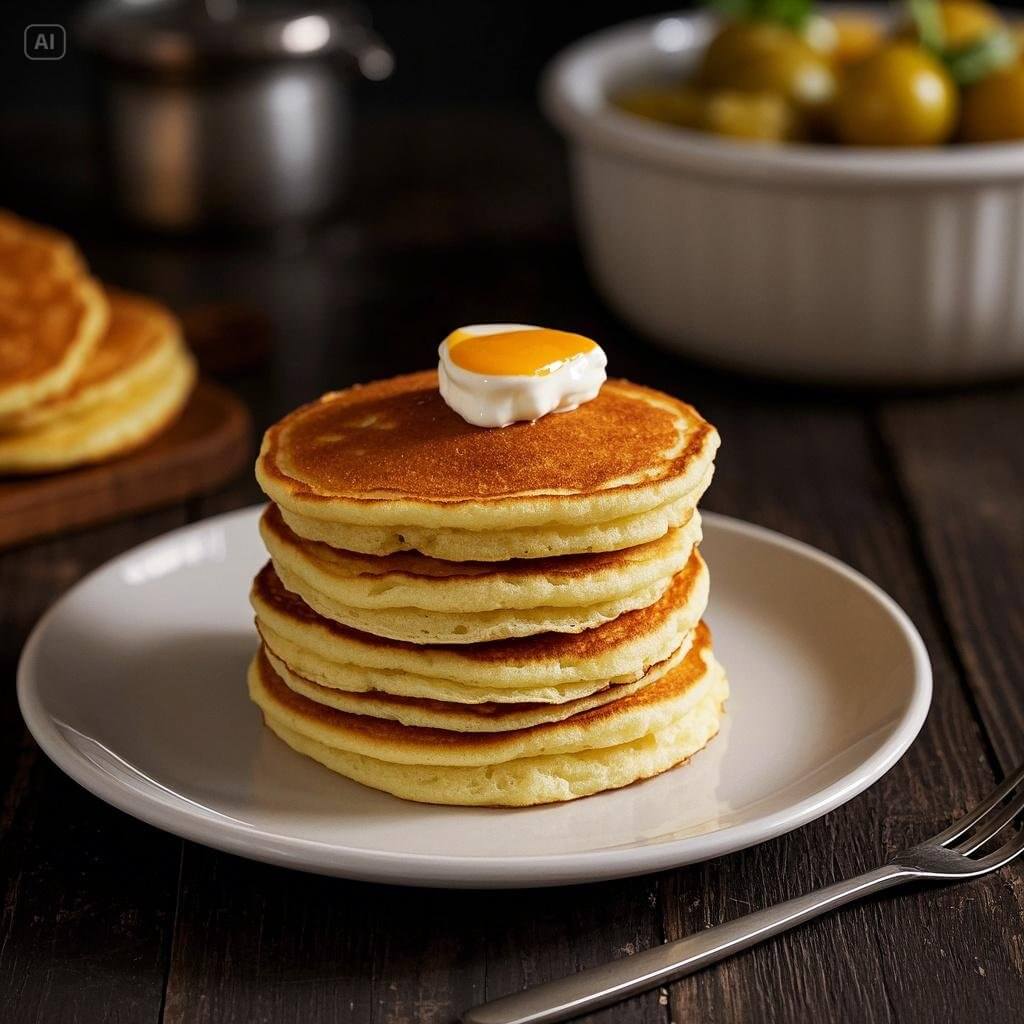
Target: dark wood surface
<point x="105" y="919"/>
<point x="207" y="446"/>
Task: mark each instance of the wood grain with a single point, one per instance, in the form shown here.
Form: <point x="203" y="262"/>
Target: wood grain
<point x="960" y="463"/>
<point x="86" y="894"/>
<point x="207" y="445"/>
<point x="878" y="961"/>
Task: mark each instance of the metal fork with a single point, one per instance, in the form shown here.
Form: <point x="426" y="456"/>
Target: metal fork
<point x="952" y="855"/>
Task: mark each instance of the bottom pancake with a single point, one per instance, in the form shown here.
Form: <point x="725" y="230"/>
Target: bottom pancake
<point x="607" y="747"/>
<point x="529" y="781"/>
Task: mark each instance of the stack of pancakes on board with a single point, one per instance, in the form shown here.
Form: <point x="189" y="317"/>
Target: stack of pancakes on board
<point x="497" y="617"/>
<point x="86" y="374"/>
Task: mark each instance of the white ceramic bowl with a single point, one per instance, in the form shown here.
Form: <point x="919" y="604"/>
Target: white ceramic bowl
<point x="806" y="262"/>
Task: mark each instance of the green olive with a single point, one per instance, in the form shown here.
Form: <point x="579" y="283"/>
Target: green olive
<point x="899" y="96"/>
<point x="679" y="106"/>
<point x="993" y="109"/>
<point x="735" y="44"/>
<point x="965" y="22"/>
<point x="755" y="116"/>
<point x="764" y="57"/>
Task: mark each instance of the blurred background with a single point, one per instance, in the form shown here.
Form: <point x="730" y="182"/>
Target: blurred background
<point x="455" y="53"/>
<point x="457" y="209"/>
<point x="458" y="61"/>
<point x="439" y="194"/>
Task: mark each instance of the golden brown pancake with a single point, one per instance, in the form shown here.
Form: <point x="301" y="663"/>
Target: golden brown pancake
<point x="392" y="454"/>
<point x="620" y="651"/>
<point x="488" y="716"/>
<point x="141" y="341"/>
<point x="36" y="250"/>
<point x="395" y="579"/>
<point x="389" y="740"/>
<point x="527" y="781"/>
<point x="460" y="602"/>
<point x="644" y="733"/>
<point x="106" y="430"/>
<point x="51" y="314"/>
<point x="544" y="541"/>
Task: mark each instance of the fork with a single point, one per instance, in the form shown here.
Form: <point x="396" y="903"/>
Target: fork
<point x="952" y="855"/>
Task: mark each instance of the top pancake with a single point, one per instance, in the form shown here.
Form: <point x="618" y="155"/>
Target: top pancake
<point x="51" y="314"/>
<point x="392" y="452"/>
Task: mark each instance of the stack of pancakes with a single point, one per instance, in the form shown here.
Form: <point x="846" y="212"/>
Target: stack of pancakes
<point x="461" y="615"/>
<point x="85" y="374"/>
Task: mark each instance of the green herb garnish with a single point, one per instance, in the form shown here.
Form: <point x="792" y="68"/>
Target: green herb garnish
<point x="927" y="19"/>
<point x="971" y="62"/>
<point x="793" y="13"/>
<point x="977" y="60"/>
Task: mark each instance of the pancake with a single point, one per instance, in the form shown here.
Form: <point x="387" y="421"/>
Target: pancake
<point x="106" y="430"/>
<point x="41" y="250"/>
<point x="603" y="748"/>
<point x="410" y="579"/>
<point x="51" y="314"/>
<point x="530" y="781"/>
<point x="142" y="342"/>
<point x="433" y="713"/>
<point x="645" y="711"/>
<point x="393" y="466"/>
<point x="423" y="600"/>
<point x="499" y="545"/>
<point x="550" y="668"/>
<point x="418" y="626"/>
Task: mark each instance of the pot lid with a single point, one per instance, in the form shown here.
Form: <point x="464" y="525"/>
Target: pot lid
<point x="180" y="34"/>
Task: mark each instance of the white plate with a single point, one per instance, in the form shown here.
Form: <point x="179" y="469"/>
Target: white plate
<point x="134" y="684"/>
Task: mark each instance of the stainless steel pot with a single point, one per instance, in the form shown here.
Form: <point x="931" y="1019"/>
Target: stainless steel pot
<point x="228" y="114"/>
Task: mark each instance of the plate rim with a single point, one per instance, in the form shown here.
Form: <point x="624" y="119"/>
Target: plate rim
<point x="459" y="870"/>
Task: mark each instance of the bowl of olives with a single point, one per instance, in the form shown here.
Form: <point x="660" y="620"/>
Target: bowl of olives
<point x="832" y="194"/>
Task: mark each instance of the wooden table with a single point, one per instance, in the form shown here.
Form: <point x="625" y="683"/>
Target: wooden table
<point x="104" y="919"/>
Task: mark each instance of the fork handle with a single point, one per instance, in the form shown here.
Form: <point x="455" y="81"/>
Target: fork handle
<point x="610" y="983"/>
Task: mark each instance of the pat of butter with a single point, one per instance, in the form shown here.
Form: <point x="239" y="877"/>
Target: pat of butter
<point x="496" y="374"/>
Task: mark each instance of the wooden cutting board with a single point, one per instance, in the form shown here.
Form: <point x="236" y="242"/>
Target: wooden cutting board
<point x="210" y="443"/>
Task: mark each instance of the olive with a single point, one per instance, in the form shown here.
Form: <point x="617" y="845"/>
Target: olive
<point x="762" y="56"/>
<point x="993" y="108"/>
<point x="678" y="106"/>
<point x="755" y="116"/>
<point x="735" y="44"/>
<point x="963" y="22"/>
<point x="899" y="96"/>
